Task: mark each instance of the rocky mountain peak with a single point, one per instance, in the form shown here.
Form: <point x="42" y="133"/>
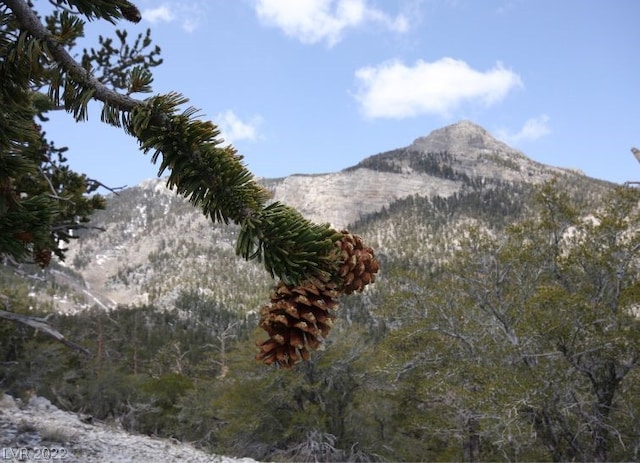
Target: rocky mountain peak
<point x="436" y="165"/>
<point x="461" y="137"/>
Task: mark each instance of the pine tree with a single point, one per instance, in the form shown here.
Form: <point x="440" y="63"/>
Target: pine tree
<point x="38" y="73"/>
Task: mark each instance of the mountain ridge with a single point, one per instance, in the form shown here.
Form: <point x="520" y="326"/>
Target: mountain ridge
<point x="157" y="244"/>
<point x="438" y="163"/>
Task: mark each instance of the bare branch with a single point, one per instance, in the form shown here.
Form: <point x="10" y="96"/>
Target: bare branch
<point x="40" y="324"/>
<point x="113" y="190"/>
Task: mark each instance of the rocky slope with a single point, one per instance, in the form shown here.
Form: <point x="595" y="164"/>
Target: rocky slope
<point x="156" y="244"/>
<point x="465" y="149"/>
<point x="37" y="430"/>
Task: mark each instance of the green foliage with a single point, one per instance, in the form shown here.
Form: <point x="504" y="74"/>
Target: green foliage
<point x="274" y="235"/>
<point x="211" y="176"/>
<point x="41" y="199"/>
<point x="110" y="10"/>
<point x="522" y="345"/>
<point x="165" y="392"/>
<point x="278" y="414"/>
<point x="534" y="352"/>
<point x="124" y="66"/>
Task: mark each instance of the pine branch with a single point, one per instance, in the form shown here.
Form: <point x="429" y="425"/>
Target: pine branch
<point x="210" y="176"/>
<point x="30" y="22"/>
<point x="316" y="263"/>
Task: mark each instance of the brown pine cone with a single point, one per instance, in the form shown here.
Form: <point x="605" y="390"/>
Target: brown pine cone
<point x="42" y="257"/>
<point x="130" y="12"/>
<point x="358" y="263"/>
<point x="297" y="319"/>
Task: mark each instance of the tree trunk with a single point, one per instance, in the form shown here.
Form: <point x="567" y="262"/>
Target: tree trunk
<point x="471" y="444"/>
<point x="100" y="347"/>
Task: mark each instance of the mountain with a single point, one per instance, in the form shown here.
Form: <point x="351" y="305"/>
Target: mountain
<point x="156" y="245"/>
<point x="391" y="380"/>
<point x="438" y="164"/>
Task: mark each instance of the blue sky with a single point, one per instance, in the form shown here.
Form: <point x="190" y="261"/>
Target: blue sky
<point x="314" y="86"/>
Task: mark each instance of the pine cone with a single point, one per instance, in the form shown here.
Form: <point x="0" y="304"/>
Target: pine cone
<point x="297" y="319"/>
<point x="42" y="257"/>
<point x="130" y="12"/>
<point x="358" y="263"/>
<point x="300" y="317"/>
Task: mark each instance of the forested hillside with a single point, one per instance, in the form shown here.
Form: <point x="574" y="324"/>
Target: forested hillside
<point x="502" y="327"/>
<point x="157" y="245"/>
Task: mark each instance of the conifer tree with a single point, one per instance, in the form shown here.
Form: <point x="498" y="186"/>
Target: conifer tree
<point x="38" y="73"/>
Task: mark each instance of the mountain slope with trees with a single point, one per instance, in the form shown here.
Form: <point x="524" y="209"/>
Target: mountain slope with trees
<point x="156" y="245"/>
<point x="503" y="325"/>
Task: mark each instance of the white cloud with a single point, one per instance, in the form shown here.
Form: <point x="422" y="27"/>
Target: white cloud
<point x="533" y="129"/>
<point x="234" y="129"/>
<point x="394" y="90"/>
<point x="188" y="14"/>
<point x="190" y="24"/>
<point x="160" y="14"/>
<point x="314" y="21"/>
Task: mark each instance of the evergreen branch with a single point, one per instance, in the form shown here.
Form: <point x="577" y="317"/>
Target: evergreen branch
<point x="31" y="23"/>
<point x="288" y="243"/>
<point x="63" y="8"/>
<point x="111" y="10"/>
<point x="210" y="176"/>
